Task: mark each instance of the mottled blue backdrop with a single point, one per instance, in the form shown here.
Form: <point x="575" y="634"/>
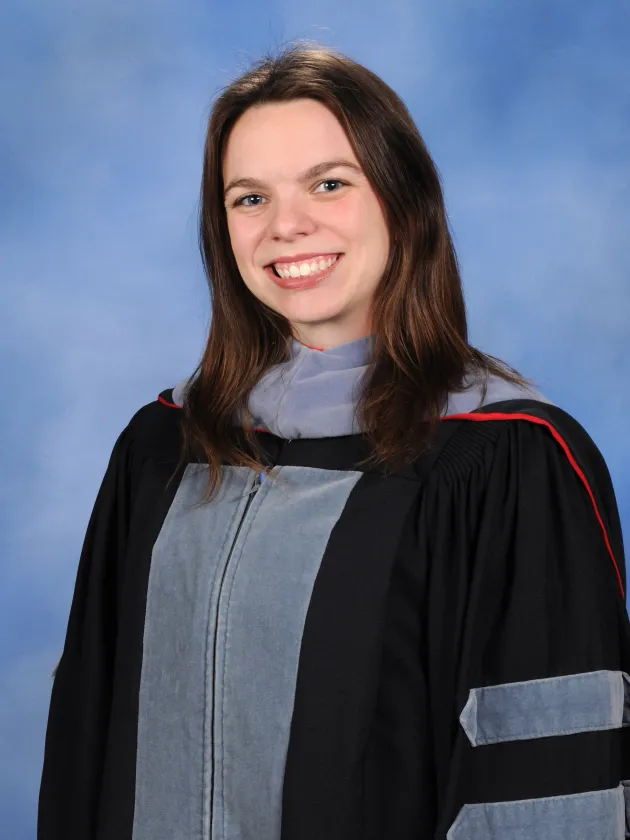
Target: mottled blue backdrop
<point x="526" y="109"/>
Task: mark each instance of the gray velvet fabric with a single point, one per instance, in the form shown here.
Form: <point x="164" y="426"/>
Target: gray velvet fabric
<point x="314" y="394"/>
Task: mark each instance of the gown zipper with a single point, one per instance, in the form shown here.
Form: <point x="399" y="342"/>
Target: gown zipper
<point x="252" y="492"/>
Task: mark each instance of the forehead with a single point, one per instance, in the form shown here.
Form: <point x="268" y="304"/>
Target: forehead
<point x="284" y="138"/>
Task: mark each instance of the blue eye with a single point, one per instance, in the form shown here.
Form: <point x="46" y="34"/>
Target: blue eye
<point x="239" y="201"/>
<point x="331" y="181"/>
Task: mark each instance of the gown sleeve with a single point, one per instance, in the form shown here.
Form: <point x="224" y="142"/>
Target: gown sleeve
<point x="79" y="710"/>
<point x="527" y="648"/>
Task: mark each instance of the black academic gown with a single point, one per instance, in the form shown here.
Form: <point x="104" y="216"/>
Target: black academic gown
<point x="460" y="667"/>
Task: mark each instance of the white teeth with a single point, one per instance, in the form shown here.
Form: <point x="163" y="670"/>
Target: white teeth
<point x="304" y="269"/>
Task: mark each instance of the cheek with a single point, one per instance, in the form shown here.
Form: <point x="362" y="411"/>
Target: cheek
<point x="376" y="224"/>
<point x="359" y="220"/>
<point x="346" y="218"/>
<point x="242" y="239"/>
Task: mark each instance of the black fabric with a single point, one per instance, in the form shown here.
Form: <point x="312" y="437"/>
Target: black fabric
<point x="80" y="707"/>
<point x="520" y="586"/>
<point x="481" y="564"/>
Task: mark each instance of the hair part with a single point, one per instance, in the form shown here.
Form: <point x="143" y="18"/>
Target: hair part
<point x="421" y="348"/>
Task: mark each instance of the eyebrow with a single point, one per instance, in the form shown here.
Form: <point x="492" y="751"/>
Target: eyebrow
<point x="313" y="172"/>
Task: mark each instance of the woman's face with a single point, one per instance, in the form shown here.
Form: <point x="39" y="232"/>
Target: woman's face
<point x="282" y="211"/>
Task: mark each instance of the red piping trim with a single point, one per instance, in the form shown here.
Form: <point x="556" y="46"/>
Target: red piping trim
<point x="170" y="405"/>
<point x="483" y="417"/>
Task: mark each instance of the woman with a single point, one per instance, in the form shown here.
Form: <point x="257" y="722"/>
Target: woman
<point x="354" y="578"/>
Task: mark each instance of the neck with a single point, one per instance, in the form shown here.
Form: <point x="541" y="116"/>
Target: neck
<point x="328" y="337"/>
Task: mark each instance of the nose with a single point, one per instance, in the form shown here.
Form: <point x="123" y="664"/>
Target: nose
<point x="290" y="218"/>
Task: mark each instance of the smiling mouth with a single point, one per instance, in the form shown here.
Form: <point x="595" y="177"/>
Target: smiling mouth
<point x="272" y="267"/>
<point x="304" y="281"/>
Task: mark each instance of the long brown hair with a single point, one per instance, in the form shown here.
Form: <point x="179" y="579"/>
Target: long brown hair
<point x="421" y="349"/>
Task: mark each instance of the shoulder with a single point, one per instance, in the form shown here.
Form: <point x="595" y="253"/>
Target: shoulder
<point x="155" y="428"/>
<point x="516" y="434"/>
<point x="537" y="427"/>
<point x="532" y="451"/>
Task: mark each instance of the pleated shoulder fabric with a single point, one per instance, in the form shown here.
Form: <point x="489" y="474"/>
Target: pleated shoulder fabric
<point x="439" y="654"/>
